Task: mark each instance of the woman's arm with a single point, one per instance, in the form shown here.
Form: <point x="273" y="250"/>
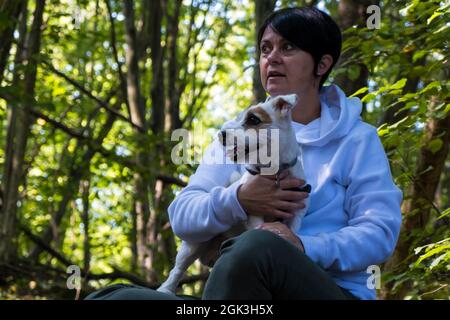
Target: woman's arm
<point x="372" y="202"/>
<point x="208" y="205"/>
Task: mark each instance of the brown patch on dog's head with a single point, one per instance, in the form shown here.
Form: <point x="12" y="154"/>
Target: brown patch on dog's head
<point x="265" y="117"/>
<point x="257" y="117"/>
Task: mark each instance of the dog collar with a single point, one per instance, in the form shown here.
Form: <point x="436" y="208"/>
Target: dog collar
<point x="282" y="167"/>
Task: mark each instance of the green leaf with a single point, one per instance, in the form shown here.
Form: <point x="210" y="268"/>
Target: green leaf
<point x="396" y="86"/>
<point x="447" y="108"/>
<point x="419" y="249"/>
<point x="407" y="106"/>
<point x="431" y="85"/>
<point x="368" y="97"/>
<point x="383" y="130"/>
<point x="362" y="90"/>
<point x="406" y="10"/>
<point x="434" y="16"/>
<point x="445" y="213"/>
<point x="401" y="121"/>
<point x="440" y="11"/>
<point x="419" y="54"/>
<point x="436" y="261"/>
<point x="435" y="145"/>
<point x="399" y="84"/>
<point x="432" y="252"/>
<point x="407" y="97"/>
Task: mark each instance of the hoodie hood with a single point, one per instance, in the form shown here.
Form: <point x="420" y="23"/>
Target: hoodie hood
<point x="338" y="116"/>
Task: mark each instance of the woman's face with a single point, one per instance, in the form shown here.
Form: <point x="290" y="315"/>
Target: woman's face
<point x="284" y="68"/>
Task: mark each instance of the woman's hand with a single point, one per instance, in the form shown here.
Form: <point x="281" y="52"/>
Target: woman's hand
<point x="283" y="231"/>
<point x="259" y="196"/>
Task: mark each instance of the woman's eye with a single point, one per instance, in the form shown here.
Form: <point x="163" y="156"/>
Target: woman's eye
<point x="253" y="120"/>
<point x="288" y="46"/>
<point x="265" y="49"/>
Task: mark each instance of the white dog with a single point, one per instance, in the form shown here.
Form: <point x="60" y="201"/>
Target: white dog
<point x="244" y="139"/>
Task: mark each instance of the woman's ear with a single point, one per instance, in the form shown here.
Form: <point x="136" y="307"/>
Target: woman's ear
<point x="324" y="65"/>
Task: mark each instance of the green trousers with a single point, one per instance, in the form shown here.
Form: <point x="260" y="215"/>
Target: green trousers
<point x="256" y="265"/>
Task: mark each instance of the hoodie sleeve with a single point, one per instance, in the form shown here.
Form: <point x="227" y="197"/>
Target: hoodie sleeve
<point x="208" y="205"/>
<point x="372" y="202"/>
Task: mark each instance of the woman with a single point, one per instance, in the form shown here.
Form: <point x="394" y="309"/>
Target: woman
<point x="354" y="216"/>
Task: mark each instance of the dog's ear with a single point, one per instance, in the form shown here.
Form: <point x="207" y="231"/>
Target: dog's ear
<point x="285" y="103"/>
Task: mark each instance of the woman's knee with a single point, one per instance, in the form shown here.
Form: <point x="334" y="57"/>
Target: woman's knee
<point x="252" y="245"/>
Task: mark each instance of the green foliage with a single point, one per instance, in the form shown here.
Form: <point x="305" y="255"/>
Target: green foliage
<point x="76" y="42"/>
<point x="430" y="271"/>
<point x="411" y="47"/>
<point x="407" y="60"/>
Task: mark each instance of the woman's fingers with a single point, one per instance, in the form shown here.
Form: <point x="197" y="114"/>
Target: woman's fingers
<point x="288" y="206"/>
<point x="291" y="183"/>
<point x="292" y="195"/>
<point x="285" y="182"/>
<point x="259" y="196"/>
<point x="283" y="231"/>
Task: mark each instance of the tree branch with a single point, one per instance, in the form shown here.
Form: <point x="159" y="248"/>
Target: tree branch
<point x="117" y="274"/>
<point x="127" y="162"/>
<point x="58" y="125"/>
<point x="58" y="256"/>
<point x="123" y="81"/>
<point x="171" y="180"/>
<point x="89" y="94"/>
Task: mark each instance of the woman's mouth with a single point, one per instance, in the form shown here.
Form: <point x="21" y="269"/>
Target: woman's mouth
<point x="275" y="75"/>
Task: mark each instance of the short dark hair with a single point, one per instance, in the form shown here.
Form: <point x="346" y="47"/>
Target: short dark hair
<point x="310" y="29"/>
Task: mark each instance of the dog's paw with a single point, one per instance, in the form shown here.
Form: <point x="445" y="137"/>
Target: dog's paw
<point x="165" y="290"/>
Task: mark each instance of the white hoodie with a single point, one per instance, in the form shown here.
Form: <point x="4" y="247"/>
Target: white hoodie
<point x="354" y="216"/>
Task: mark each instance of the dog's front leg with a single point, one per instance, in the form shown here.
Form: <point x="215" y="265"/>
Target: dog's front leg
<point x="185" y="257"/>
<point x="254" y="221"/>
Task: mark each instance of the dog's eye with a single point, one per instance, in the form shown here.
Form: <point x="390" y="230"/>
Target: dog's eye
<point x="252" y="120"/>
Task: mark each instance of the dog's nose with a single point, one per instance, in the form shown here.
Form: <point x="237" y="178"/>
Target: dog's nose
<point x="223" y="137"/>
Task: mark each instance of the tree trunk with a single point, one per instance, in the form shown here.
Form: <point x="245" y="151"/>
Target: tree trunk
<point x="158" y="82"/>
<point x="85" y="188"/>
<point x="133" y="241"/>
<point x="133" y="87"/>
<point x="19" y="122"/>
<point x="352" y="12"/>
<point x="262" y="9"/>
<point x="417" y="209"/>
<point x="154" y="237"/>
<point x="10" y="9"/>
<point x="173" y="84"/>
<point x="141" y="200"/>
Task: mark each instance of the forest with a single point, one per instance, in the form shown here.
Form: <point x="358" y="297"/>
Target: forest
<point x="92" y="90"/>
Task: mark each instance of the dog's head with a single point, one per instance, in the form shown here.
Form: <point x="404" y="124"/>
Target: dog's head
<point x="262" y="127"/>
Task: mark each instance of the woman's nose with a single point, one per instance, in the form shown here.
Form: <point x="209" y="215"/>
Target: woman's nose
<point x="274" y="57"/>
